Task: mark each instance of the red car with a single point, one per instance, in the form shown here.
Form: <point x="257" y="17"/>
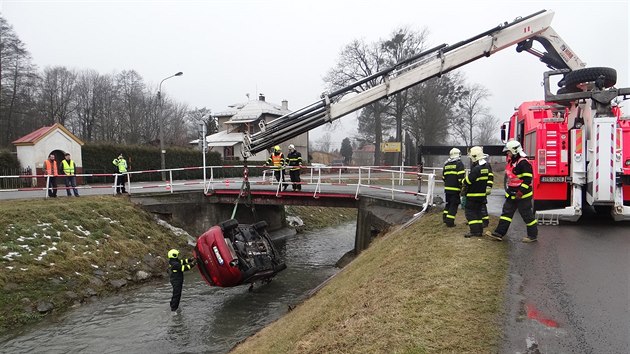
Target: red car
<point x="230" y="254"/>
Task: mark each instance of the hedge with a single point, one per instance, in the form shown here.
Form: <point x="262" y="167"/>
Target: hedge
<point x="98" y="158"/>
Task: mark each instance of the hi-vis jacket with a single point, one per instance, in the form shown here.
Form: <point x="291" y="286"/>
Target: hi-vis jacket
<point x="178" y="266"/>
<point x="276" y="160"/>
<point x="121" y="165"/>
<point x="476" y="181"/>
<point x="519" y="175"/>
<point x="51" y="168"/>
<point x="453" y="175"/>
<point x="68" y="167"/>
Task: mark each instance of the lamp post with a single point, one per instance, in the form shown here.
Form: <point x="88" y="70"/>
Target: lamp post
<point x="161" y="123"/>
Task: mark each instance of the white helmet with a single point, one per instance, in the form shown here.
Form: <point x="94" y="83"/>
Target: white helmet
<point x="291" y="147"/>
<point x="454" y="153"/>
<point x="514" y="147"/>
<point x="476" y="153"/>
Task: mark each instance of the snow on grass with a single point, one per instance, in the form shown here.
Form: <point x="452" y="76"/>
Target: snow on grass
<point x="11" y="255"/>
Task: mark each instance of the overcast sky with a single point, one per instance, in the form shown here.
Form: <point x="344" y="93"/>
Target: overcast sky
<point x="283" y="49"/>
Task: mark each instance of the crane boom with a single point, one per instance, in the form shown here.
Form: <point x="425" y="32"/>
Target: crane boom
<point x="417" y="69"/>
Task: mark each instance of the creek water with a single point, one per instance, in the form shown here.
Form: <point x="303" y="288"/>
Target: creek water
<point x="211" y="320"/>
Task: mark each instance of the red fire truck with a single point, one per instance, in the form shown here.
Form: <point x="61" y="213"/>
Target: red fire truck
<point x="579" y="144"/>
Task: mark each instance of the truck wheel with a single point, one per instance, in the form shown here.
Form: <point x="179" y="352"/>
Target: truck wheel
<point x="579" y="76"/>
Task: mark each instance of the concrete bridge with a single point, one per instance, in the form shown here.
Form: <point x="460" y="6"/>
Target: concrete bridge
<point x="197" y="211"/>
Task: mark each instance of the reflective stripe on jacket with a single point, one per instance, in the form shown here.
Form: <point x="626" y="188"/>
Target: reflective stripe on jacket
<point x="453" y="175"/>
<point x="276" y="161"/>
<point x="476" y="182"/>
<point x="519" y="176"/>
<point x="294" y="159"/>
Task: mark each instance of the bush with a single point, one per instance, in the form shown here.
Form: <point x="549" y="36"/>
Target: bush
<point x="97" y="158"/>
<point x="8" y="160"/>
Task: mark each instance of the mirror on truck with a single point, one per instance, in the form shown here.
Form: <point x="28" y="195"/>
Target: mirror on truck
<point x="503" y="133"/>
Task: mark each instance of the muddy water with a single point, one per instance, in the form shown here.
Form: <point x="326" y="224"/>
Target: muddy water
<point x="212" y="320"/>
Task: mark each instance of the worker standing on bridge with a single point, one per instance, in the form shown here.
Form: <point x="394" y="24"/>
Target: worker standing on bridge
<point x="518" y="195"/>
<point x="177" y="268"/>
<point x="453" y="175"/>
<point x="294" y="160"/>
<point x="121" y="167"/>
<point x="52" y="172"/>
<point x="474" y="189"/>
<point x="277" y="161"/>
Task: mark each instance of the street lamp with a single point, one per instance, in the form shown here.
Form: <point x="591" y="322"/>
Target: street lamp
<point x="161" y="123"/>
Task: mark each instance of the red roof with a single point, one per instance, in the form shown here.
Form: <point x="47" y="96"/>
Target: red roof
<point x="33" y="137"/>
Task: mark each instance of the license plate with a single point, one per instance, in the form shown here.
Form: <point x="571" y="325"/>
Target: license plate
<point x="552" y="179"/>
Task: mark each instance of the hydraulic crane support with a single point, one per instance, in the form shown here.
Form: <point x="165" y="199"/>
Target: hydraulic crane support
<point x="417" y="69"/>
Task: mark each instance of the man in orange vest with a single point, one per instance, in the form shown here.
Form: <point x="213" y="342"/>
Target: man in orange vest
<point x="50" y="167"/>
<point x="277" y="161"/>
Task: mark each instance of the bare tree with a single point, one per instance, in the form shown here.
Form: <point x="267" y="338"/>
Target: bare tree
<point x="131" y="90"/>
<point x="324" y="143"/>
<point x="17" y="77"/>
<point x="403" y="43"/>
<point x="430" y="111"/>
<point x="57" y="94"/>
<point x="357" y="61"/>
<point x="487" y="130"/>
<point x="470" y="112"/>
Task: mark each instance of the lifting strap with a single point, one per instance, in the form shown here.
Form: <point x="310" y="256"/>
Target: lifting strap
<point x="245" y="192"/>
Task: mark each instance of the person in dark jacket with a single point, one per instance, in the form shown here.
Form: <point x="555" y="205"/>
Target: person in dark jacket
<point x="294" y="160"/>
<point x="474" y="189"/>
<point x="453" y="175"/>
<point x="519" y="192"/>
<point x="177" y="267"/>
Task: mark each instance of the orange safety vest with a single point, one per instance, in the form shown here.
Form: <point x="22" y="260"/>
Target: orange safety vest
<point x="51" y="168"/>
<point x="277" y="160"/>
<point x="513" y="180"/>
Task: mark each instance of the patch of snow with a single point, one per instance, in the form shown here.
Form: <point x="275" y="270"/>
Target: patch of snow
<point x="9" y="268"/>
<point x="82" y="230"/>
<point x="24" y="269"/>
<point x="10" y="255"/>
<point x="116" y="252"/>
<point x="77" y="273"/>
<point x="94" y="266"/>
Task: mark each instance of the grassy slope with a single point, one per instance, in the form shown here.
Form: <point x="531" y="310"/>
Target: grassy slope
<point x="422" y="289"/>
<point x="70" y="245"/>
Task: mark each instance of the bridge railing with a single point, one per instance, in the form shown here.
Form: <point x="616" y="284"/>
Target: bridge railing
<point x="321" y="177"/>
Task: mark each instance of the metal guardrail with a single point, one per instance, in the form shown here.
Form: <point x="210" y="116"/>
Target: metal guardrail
<point x="384" y="178"/>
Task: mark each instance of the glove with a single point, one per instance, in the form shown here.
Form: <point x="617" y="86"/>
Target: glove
<point x="488" y="190"/>
<point x="192" y="261"/>
<point x="463" y="202"/>
<point x="519" y="194"/>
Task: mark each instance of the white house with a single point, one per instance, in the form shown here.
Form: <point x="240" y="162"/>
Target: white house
<point x="245" y="117"/>
<point x="34" y="148"/>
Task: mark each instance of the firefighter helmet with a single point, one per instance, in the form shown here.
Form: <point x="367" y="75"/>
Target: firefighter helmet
<point x="476" y="153"/>
<point x="173" y="253"/>
<point x="291" y="147"/>
<point x="454" y="153"/>
<point x="277" y="148"/>
<point x="514" y="147"/>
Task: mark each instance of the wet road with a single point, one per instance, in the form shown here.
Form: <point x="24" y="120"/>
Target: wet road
<point x="212" y="319"/>
<point x="569" y="292"/>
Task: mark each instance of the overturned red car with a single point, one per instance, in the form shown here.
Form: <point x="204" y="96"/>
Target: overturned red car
<point x="230" y="254"/>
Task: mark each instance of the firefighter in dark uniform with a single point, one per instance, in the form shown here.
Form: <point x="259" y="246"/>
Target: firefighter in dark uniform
<point x="453" y="174"/>
<point x="518" y="195"/>
<point x="294" y="160"/>
<point x="474" y="189"/>
<point x="484" y="209"/>
<point x="277" y="161"/>
<point x="177" y="267"/>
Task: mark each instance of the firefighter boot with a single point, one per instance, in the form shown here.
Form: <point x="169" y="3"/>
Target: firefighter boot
<point x="494" y="235"/>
